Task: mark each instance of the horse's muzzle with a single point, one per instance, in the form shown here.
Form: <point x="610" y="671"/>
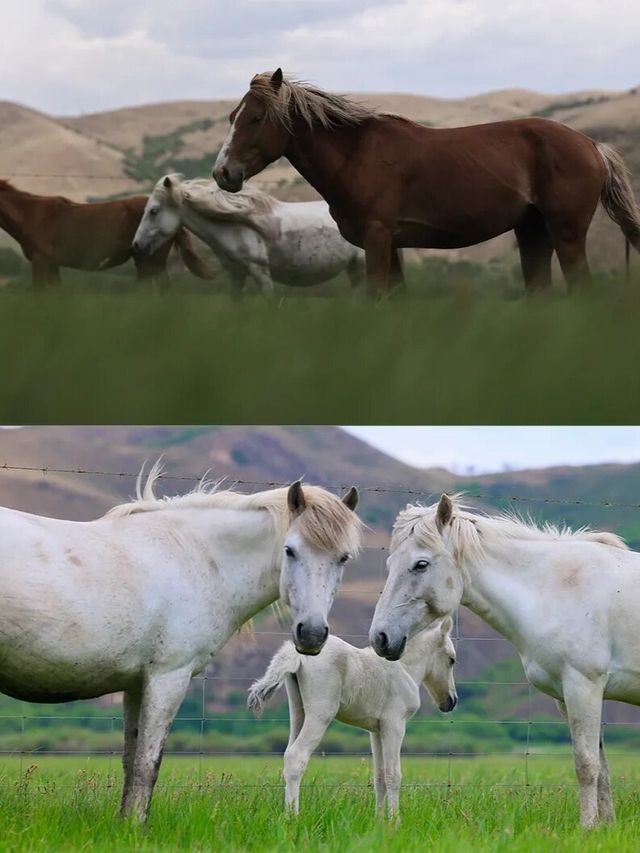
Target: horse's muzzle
<point x="383" y="646"/>
<point x="309" y="639"/>
<point x="229" y="177"/>
<point x="449" y="703"/>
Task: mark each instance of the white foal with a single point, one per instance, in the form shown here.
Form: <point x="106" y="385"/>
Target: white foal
<point x="356" y="687"/>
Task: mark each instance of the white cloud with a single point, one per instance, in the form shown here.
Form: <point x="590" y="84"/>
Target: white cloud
<point x="66" y="55"/>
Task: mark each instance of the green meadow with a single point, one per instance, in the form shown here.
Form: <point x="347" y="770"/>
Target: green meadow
<point x="235" y="804"/>
<point x="461" y="346"/>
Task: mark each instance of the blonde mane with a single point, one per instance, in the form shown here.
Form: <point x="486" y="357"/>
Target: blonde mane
<point x="472" y="535"/>
<point x="326" y="522"/>
<point x="313" y="105"/>
<point x="249" y="206"/>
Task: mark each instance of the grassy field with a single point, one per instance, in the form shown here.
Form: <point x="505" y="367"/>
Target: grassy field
<point x="236" y="804"/>
<point x="76" y="356"/>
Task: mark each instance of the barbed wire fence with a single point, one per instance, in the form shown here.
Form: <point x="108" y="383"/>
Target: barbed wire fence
<point x="524" y="709"/>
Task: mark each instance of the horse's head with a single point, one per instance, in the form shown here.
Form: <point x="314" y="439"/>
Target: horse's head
<point x="258" y="134"/>
<point x="440" y="656"/>
<point x="323" y="534"/>
<point x="424" y="580"/>
<point x="161" y="218"/>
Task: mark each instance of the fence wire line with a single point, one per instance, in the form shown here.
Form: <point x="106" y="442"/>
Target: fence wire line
<point x="107" y="178"/>
<point x="235" y="481"/>
<point x="100" y="723"/>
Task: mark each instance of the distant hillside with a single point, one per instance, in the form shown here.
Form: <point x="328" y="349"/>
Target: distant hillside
<point x="132" y="147"/>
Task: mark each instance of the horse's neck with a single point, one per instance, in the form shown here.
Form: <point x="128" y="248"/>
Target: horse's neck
<point x="505" y="590"/>
<point x="12" y="213"/>
<point x="320" y="155"/>
<point x="243" y="550"/>
<point x="416" y="657"/>
<point x="205" y="229"/>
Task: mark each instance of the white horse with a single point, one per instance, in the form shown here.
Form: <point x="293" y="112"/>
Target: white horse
<point x="568" y="601"/>
<point x="141" y="600"/>
<point x="252" y="233"/>
<point x="355" y="687"/>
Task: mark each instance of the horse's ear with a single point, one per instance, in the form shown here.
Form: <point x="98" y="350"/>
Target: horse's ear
<point x="446" y="625"/>
<point x="444" y="512"/>
<point x="295" y="498"/>
<point x="351" y="498"/>
<point x="167" y="182"/>
<point x="276" y="79"/>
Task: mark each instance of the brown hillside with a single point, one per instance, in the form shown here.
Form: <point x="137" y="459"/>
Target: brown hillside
<point x="32" y="143"/>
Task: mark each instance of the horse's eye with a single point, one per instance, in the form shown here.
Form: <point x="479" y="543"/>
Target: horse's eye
<point x="153" y="212"/>
<point x="289" y="551"/>
<point x="420" y="566"/>
<point x="344" y="559"/>
<point x="256" y="120"/>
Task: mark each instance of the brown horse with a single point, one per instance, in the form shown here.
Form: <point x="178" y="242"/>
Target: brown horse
<point x="392" y="183"/>
<point x="56" y="232"/>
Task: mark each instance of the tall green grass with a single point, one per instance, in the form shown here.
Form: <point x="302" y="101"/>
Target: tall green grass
<point x="236" y="805"/>
<point x="75" y="356"/>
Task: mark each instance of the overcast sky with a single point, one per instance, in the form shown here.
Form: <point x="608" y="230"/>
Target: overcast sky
<point x="72" y="56"/>
<point x="488" y="449"/>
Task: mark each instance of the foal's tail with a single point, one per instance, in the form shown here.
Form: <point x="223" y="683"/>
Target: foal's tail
<point x="286" y="661"/>
<point x="191" y="259"/>
<point x="617" y="196"/>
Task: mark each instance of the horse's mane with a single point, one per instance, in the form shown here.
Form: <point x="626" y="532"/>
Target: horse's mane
<point x="472" y="535"/>
<point x="5" y="185"/>
<point x="249" y="206"/>
<point x="313" y="105"/>
<point x="326" y="523"/>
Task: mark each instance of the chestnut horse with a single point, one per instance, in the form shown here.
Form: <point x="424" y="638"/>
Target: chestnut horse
<point x="55" y="232"/>
<point x="392" y="183"/>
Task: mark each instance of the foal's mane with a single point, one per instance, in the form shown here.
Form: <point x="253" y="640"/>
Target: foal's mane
<point x="472" y="535"/>
<point x="313" y="105"/>
<point x="326" y="522"/>
<point x="248" y="206"/>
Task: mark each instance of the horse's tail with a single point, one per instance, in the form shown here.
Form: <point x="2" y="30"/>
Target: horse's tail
<point x="286" y="661"/>
<point x="191" y="259"/>
<point x="617" y="196"/>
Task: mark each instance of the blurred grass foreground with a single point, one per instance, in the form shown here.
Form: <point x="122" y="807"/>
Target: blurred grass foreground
<point x="460" y="346"/>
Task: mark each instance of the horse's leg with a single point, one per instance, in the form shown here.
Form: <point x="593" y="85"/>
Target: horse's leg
<point x="378" y="771"/>
<point x="153" y="269"/>
<point x="161" y="698"/>
<point x="391" y="736"/>
<point x="396" y="271"/>
<point x="262" y="277"/>
<point x="297" y="755"/>
<point x="237" y="284"/>
<point x="40" y="272"/>
<point x="536" y="250"/>
<point x="377" y="250"/>
<point x="583" y="700"/>
<point x="296" y="708"/>
<point x="131" y="708"/>
<point x="606" y="809"/>
<point x="356" y="272"/>
<point x="572" y="254"/>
